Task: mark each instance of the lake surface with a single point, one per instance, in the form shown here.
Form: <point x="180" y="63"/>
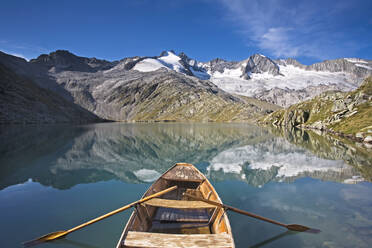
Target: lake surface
<point x="55" y="177"/>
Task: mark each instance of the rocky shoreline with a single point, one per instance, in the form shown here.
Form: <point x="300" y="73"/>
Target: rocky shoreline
<point x="357" y="138"/>
<point x="346" y="115"/>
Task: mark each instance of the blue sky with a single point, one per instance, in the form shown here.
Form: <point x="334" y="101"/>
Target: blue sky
<point x="309" y="31"/>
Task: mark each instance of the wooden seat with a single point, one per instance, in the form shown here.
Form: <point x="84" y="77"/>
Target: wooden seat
<point x="161" y="240"/>
<point x="180" y="227"/>
<point x="165" y="203"/>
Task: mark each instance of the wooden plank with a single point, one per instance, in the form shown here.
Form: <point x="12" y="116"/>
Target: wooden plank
<point x="161" y="240"/>
<point x="193" y="192"/>
<point x="180" y="228"/>
<point x="157" y="202"/>
<point x="183" y="173"/>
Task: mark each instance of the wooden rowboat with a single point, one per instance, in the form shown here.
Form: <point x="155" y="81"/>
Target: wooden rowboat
<point x="175" y="220"/>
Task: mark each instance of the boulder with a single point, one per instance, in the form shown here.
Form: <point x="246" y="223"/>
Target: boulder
<point x="368" y="139"/>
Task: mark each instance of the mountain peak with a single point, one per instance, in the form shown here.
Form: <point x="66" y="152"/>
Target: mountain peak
<point x="167" y="52"/>
<point x="217" y="60"/>
<point x="258" y="55"/>
<point x="65" y="60"/>
<point x="183" y="56"/>
<point x="54" y="55"/>
<point x="290" y="61"/>
<point x="61" y="52"/>
<point x="258" y="63"/>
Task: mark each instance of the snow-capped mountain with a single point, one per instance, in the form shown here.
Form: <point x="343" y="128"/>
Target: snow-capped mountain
<point x="177" y="87"/>
<point x="283" y="82"/>
<point x="167" y="59"/>
<point x="162" y="88"/>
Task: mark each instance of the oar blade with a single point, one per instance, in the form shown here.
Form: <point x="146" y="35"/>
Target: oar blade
<point x="45" y="238"/>
<point x="297" y="228"/>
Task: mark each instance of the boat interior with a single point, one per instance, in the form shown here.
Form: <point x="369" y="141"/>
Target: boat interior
<point x="175" y="213"/>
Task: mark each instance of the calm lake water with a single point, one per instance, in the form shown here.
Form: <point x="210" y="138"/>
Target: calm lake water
<point x="55" y="177"/>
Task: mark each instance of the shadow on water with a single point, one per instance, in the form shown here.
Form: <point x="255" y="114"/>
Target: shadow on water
<point x="272" y="239"/>
<point x="64" y="242"/>
<point x="61" y="242"/>
<point x="280" y="236"/>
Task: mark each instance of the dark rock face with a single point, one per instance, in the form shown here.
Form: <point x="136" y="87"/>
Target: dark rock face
<point x="39" y="74"/>
<point x="184" y="57"/>
<point x="191" y="66"/>
<point x="128" y="63"/>
<point x="220" y="65"/>
<point x="258" y="63"/>
<point x="18" y="65"/>
<point x="62" y="60"/>
<point x="22" y="101"/>
<point x="290" y="61"/>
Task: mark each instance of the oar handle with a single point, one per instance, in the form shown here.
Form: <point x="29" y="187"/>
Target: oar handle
<point x="236" y="210"/>
<point x="121" y="209"/>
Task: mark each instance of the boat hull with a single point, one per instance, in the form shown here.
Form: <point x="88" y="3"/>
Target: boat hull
<point x="176" y="221"/>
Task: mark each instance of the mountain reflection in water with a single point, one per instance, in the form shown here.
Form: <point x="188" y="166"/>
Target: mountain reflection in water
<point x="95" y="169"/>
<point x="63" y="156"/>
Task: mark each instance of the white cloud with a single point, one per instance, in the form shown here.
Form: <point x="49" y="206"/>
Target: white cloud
<point x="278" y="40"/>
<point x="290" y="29"/>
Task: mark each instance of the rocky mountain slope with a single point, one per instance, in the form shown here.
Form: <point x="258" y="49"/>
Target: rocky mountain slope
<point x="137" y="89"/>
<point x="172" y="87"/>
<point x="346" y="114"/>
<point x="282" y="82"/>
<point x="22" y="101"/>
<point x="159" y="96"/>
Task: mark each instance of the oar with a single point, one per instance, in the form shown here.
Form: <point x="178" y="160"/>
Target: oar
<point x="292" y="227"/>
<point x="60" y="234"/>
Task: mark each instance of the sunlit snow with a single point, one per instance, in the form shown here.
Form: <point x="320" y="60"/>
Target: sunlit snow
<point x="364" y="66"/>
<point x="293" y="78"/>
<point x="147" y="65"/>
<point x="234" y="73"/>
<point x="170" y="61"/>
<point x="355" y="60"/>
